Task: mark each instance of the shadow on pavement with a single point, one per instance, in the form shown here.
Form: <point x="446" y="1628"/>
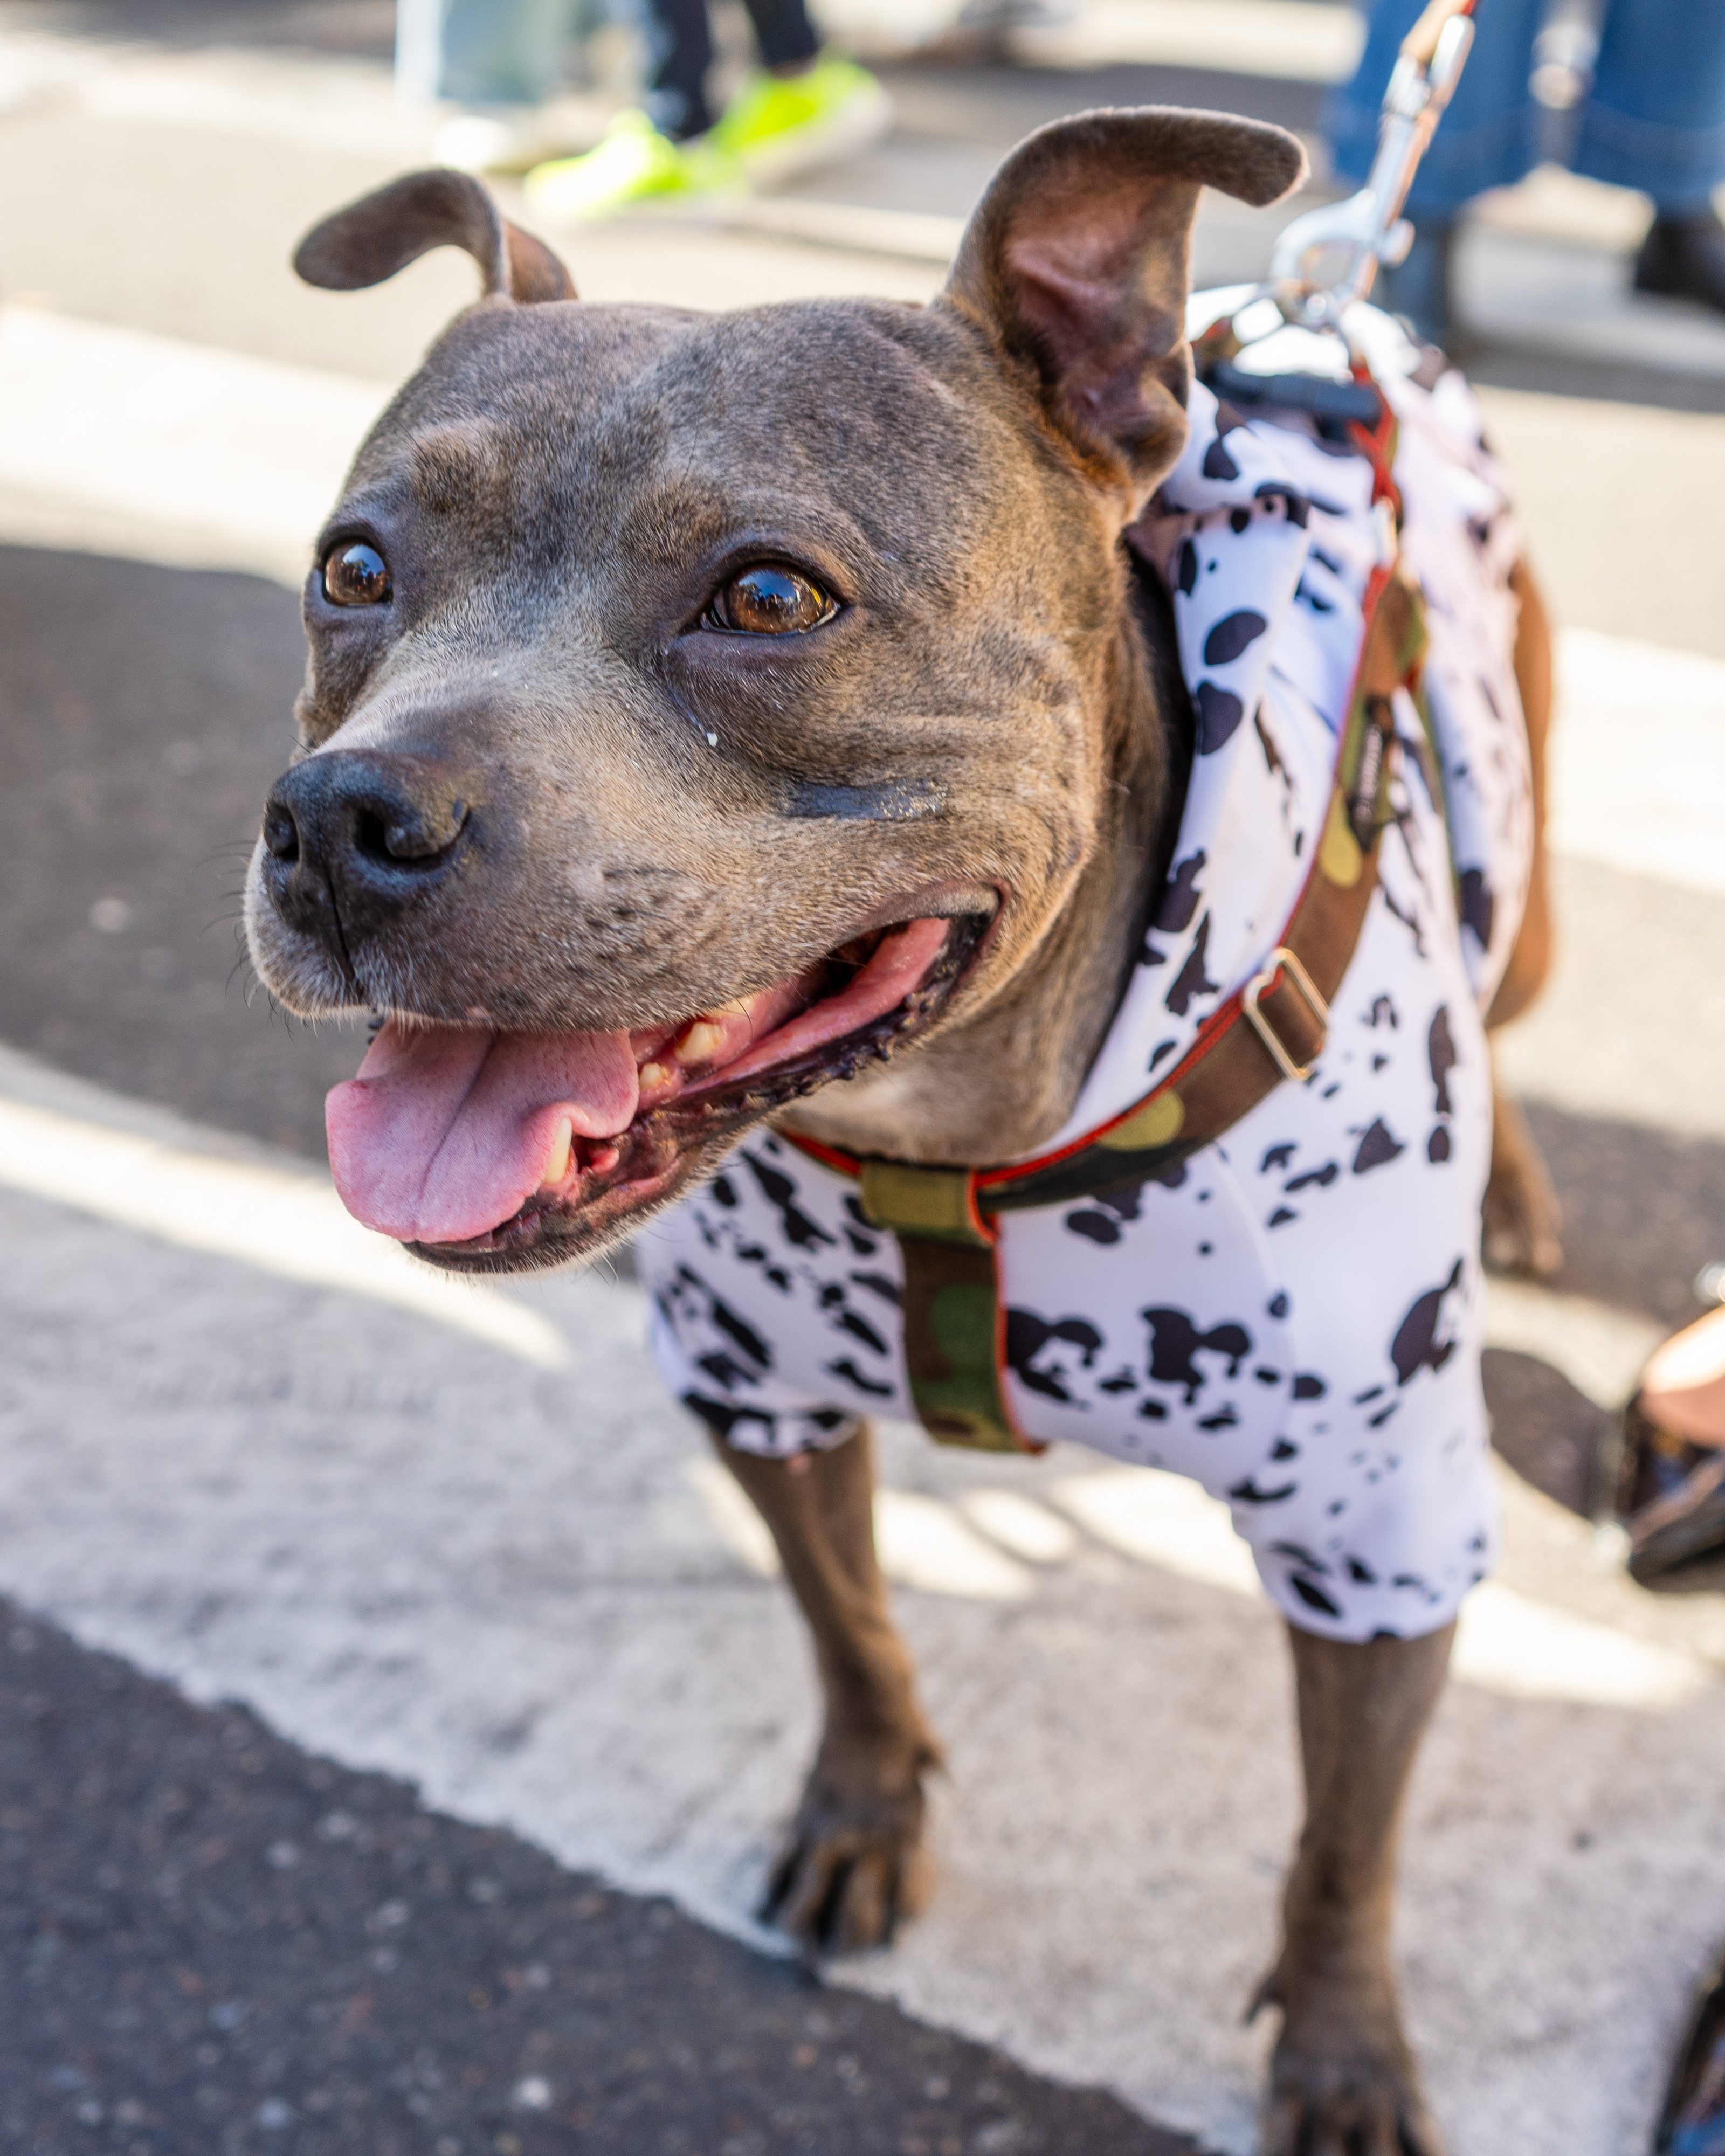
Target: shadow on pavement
<point x="220" y="1941"/>
<point x="361" y="28"/>
<point x="144" y="712"/>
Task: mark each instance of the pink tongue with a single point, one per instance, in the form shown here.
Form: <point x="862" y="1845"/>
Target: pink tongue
<point x="444" y="1133"/>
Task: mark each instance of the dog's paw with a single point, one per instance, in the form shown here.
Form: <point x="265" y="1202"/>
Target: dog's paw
<point x="1345" y="2084"/>
<point x="853" y="1864"/>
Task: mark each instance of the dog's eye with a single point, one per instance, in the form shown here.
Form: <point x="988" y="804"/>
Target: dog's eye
<point x="355" y="574"/>
<point x="770" y="602"/>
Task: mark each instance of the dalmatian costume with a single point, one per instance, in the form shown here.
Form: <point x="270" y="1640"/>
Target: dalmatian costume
<point x="1293" y="1315"/>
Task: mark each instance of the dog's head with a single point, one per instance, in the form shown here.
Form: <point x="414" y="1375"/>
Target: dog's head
<point x="701" y="707"/>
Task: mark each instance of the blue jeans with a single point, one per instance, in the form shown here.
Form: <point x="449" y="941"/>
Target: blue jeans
<point x="484" y="52"/>
<point x="1656" y="119"/>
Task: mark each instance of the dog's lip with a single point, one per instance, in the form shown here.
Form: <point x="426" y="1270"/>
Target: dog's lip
<point x="663" y="1145"/>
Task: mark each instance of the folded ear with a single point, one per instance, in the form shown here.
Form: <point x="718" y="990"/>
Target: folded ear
<point x="1076" y="263"/>
<point x="381" y="233"/>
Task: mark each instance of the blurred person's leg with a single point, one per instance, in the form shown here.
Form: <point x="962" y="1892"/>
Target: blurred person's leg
<point x="1655" y="121"/>
<point x="480" y="52"/>
<point x="801" y="108"/>
<point x="680" y="55"/>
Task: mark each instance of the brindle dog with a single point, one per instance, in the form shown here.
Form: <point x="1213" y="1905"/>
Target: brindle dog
<point x="786" y="669"/>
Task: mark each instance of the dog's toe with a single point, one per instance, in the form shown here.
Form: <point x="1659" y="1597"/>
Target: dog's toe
<point x="1348" y="2088"/>
<point x="1380" y="2121"/>
<point x="849" y="1870"/>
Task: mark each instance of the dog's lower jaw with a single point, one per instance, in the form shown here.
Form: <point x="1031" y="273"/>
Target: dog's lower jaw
<point x="1343" y="2074"/>
<point x="852" y="1863"/>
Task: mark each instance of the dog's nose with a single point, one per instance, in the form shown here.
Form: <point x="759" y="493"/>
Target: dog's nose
<point x="352" y="837"/>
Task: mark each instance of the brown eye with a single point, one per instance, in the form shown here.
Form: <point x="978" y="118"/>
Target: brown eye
<point x="770" y="602"/>
<point x="355" y="574"/>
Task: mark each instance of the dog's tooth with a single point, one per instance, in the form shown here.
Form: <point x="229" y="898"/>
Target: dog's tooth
<point x="701" y="1041"/>
<point x="652" y="1076"/>
<point x="604" y="1160"/>
<point x="557" y="1161"/>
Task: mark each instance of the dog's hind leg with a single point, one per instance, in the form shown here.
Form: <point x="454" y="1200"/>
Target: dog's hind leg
<point x="853" y="1862"/>
<point x="1342" y="2076"/>
<point x="1522" y="1217"/>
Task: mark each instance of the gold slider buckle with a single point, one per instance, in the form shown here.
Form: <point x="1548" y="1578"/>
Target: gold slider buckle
<point x="1283" y="959"/>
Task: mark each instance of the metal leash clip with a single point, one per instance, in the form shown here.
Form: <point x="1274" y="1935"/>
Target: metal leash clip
<point x="1369" y="228"/>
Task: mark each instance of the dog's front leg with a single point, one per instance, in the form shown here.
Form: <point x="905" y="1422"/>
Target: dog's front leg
<point x="852" y="1864"/>
<point x="1342" y="2078"/>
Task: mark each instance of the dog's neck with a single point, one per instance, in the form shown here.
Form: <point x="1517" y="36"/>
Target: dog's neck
<point x="991" y="1087"/>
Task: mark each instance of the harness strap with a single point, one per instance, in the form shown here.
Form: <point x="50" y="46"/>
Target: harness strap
<point x="1274" y="1029"/>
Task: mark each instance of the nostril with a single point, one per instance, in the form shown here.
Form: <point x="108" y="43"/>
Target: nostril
<point x="282" y="834"/>
<point x="412" y="836"/>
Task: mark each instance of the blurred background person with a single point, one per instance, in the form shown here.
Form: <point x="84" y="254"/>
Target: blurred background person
<point x="1631" y="92"/>
<point x="503" y="59"/>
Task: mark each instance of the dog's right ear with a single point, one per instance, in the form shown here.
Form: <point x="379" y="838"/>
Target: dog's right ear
<point x="381" y="233"/>
<point x="1075" y="264"/>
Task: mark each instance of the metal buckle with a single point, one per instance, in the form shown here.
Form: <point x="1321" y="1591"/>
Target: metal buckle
<point x="1283" y="960"/>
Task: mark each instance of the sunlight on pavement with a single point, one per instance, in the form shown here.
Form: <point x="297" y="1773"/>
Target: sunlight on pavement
<point x="287" y="1224"/>
<point x="1506" y="1641"/>
<point x="1019" y="1524"/>
<point x="923" y="1542"/>
<point x="733" y="1518"/>
<point x="149" y="446"/>
<point x="1654" y="811"/>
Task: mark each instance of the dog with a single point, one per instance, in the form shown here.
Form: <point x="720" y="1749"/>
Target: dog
<point x="749" y="766"/>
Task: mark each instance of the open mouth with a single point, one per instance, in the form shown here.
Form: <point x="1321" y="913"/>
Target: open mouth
<point x="486" y="1152"/>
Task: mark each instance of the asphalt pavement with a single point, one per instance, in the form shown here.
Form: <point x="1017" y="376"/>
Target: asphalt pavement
<point x="337" y="1596"/>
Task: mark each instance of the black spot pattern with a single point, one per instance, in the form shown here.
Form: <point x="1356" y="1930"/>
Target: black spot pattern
<point x="1192" y="980"/>
<point x="1180" y="894"/>
<point x="1027" y="1335"/>
<point x="1440" y="1055"/>
<point x="1417" y="1344"/>
<point x="1378" y="1147"/>
<point x="1231" y="635"/>
<point x="1176" y="1343"/>
<point x="1219" y="712"/>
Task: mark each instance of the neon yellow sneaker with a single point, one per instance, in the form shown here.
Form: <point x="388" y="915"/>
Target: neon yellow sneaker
<point x="781" y="123"/>
<point x="634" y="164"/>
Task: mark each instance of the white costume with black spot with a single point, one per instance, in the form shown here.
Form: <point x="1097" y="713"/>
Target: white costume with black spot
<point x="1294" y="1315"/>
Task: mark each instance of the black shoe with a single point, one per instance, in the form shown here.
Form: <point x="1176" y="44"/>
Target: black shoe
<point x="1671" y="1498"/>
<point x="1683" y="258"/>
<point x="1692" y="2120"/>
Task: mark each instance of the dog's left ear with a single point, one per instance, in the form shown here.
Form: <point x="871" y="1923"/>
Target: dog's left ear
<point x="1076" y="264"/>
<point x="381" y="233"/>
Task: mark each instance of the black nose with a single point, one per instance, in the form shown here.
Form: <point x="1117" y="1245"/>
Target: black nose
<point x="352" y="837"/>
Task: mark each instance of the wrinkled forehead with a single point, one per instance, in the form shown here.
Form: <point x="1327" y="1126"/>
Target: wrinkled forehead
<point x="615" y="418"/>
